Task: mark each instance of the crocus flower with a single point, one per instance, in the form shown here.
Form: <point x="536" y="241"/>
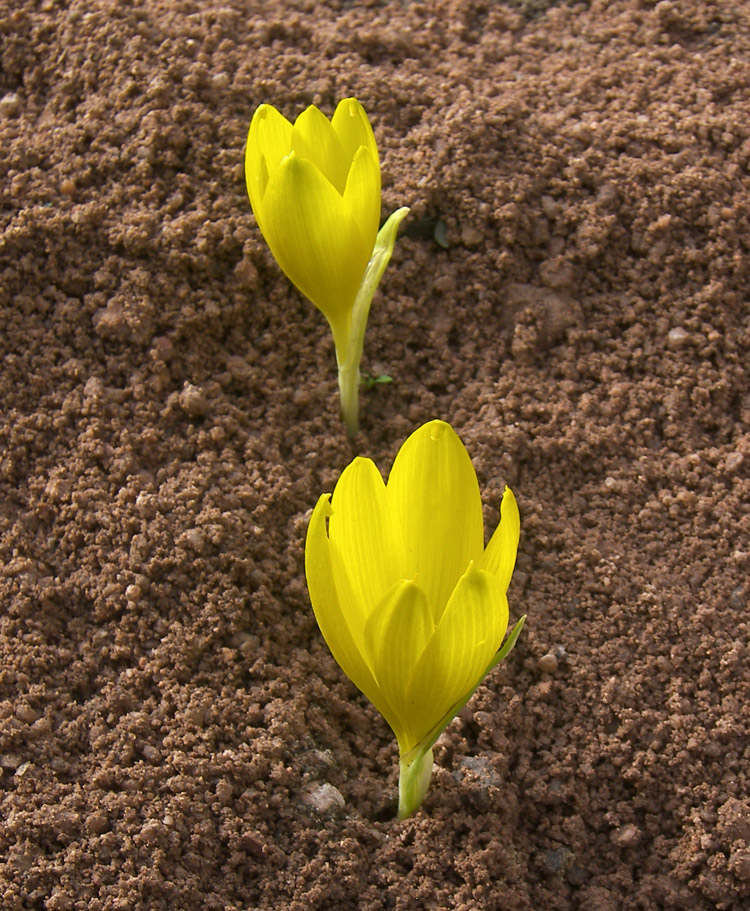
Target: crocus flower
<point x="314" y="187"/>
<point x="409" y="600"/>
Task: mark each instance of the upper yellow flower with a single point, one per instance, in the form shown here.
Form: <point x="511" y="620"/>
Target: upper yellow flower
<point x="410" y="602"/>
<point x="315" y="190"/>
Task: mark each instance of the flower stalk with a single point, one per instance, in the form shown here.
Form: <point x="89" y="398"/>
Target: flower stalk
<point x="413" y="780"/>
<point x="349" y="354"/>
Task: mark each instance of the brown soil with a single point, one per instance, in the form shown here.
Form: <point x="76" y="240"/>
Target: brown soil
<point x="173" y="731"/>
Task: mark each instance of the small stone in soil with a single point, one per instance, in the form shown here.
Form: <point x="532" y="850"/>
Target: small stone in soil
<point x="324" y="798"/>
<point x="193" y="401"/>
<point x="627" y="836"/>
<point x="557" y="860"/>
<point x="547" y="664"/>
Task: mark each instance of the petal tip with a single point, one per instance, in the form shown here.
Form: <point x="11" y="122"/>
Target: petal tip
<point x="323" y="506"/>
<point x="438" y="429"/>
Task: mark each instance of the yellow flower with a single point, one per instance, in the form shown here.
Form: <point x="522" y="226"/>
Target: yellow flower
<point x="410" y="602"/>
<point x="314" y="187"/>
<point x="315" y="190"/>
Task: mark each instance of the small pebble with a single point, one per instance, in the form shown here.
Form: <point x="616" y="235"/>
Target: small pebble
<point x="734" y="461"/>
<point x="477" y="770"/>
<point x="251" y="844"/>
<point x="557" y="860"/>
<point x="548" y="663"/>
<point x="41" y="727"/>
<point x="193" y="401"/>
<point x="151" y="754"/>
<point x="470" y="236"/>
<point x="677" y="337"/>
<point x="151" y="832"/>
<point x="246" y="273"/>
<point x="162" y="349"/>
<point x="550" y="207"/>
<point x="196" y="539"/>
<point x="96" y="823"/>
<point x="325" y="798"/>
<point x="9" y="105"/>
<point x="67" y="822"/>
<point x="627" y="836"/>
<point x="25" y="713"/>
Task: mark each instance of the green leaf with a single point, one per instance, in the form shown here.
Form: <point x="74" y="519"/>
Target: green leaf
<point x="369" y="381"/>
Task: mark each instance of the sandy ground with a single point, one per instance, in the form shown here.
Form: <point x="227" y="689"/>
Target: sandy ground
<point x="173" y="731"/>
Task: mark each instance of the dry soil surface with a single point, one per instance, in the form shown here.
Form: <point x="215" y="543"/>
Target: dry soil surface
<point x="174" y="733"/>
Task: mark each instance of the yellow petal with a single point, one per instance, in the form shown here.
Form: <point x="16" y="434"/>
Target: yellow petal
<point x="499" y="557"/>
<point x="433" y="494"/>
<point x="362" y="545"/>
<point x="395" y="637"/>
<point x="362" y="195"/>
<point x="314" y="240"/>
<point x="332" y="619"/>
<point x="268" y="142"/>
<point x="454" y="660"/>
<point x="314" y="139"/>
<point x="353" y="129"/>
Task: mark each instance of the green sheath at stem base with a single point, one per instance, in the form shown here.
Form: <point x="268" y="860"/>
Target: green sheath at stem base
<point x="413" y="781"/>
<point x="349" y="348"/>
<point x="349" y="394"/>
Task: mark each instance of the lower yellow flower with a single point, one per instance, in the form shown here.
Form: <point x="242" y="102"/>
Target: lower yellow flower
<point x="410" y="602"/>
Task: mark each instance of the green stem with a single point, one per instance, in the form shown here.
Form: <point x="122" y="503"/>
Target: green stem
<point x="349" y="394"/>
<point x="413" y="781"/>
<point x="349" y="350"/>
